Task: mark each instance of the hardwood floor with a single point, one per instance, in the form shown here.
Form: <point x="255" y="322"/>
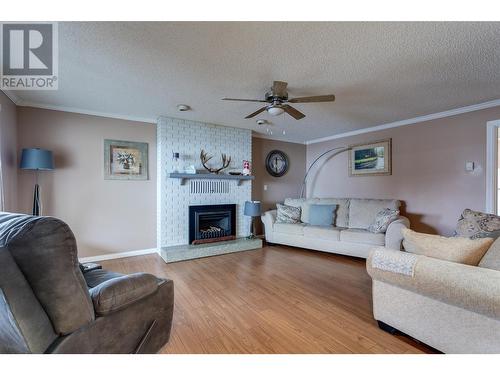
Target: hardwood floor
<point x="273" y="300"/>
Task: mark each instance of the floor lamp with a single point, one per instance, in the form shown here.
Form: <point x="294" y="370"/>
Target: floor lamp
<point x="336" y="150"/>
<point x="38" y="160"/>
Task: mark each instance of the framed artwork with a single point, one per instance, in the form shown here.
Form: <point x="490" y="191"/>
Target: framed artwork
<point x="371" y="159"/>
<point x="125" y="160"/>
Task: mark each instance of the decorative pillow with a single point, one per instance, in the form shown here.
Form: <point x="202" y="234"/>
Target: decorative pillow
<point x="453" y="249"/>
<point x="475" y="224"/>
<point x="287" y="214"/>
<point x="322" y="214"/>
<point x="382" y="220"/>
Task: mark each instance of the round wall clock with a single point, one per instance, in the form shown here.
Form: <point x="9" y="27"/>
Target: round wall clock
<point x="277" y="163"/>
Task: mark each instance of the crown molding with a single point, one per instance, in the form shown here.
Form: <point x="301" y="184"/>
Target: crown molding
<point x="87" y="112"/>
<point x="411" y="121"/>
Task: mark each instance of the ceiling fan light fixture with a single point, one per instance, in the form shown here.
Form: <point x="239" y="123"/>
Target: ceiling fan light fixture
<point x="275" y="111"/>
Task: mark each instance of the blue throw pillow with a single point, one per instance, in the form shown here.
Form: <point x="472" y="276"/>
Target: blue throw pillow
<point x="322" y="214"/>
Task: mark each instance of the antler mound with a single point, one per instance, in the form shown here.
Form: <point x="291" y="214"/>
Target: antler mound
<point x="204" y="157"/>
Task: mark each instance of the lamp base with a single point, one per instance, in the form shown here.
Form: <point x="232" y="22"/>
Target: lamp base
<point x="36" y="201"/>
<point x="252" y="235"/>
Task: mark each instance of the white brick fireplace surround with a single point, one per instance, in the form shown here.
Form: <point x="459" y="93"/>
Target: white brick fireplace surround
<point x="188" y="138"/>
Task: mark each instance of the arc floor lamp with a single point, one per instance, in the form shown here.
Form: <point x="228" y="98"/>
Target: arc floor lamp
<point x="336" y="151"/>
<point x="37" y="159"/>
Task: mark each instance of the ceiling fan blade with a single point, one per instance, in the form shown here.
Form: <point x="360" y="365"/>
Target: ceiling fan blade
<point x="279" y="88"/>
<point x="246" y="100"/>
<point x="297" y="115"/>
<point x="313" y="99"/>
<point x="256" y="112"/>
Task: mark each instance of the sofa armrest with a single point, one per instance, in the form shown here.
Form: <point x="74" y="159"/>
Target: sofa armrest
<point x="269" y="217"/>
<point x="98" y="276"/>
<point x="472" y="288"/>
<point x="119" y="292"/>
<point x="393" y="235"/>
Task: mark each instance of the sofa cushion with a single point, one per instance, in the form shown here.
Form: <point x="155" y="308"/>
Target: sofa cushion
<point x="301" y="203"/>
<point x="322" y="214"/>
<point x="452" y="249"/>
<point x="297" y="229"/>
<point x="362" y="212"/>
<point x="475" y="224"/>
<point x="362" y="236"/>
<point x="287" y="214"/>
<point x="322" y="232"/>
<point x="119" y="292"/>
<point x="342" y="212"/>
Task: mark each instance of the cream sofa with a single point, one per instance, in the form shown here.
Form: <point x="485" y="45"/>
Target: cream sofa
<point x="349" y="236"/>
<point x="452" y="307"/>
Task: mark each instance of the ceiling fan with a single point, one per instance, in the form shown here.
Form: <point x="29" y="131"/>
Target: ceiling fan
<point x="277" y="100"/>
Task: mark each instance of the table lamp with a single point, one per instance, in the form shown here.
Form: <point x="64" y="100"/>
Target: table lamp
<point x="252" y="208"/>
<point x="37" y="159"/>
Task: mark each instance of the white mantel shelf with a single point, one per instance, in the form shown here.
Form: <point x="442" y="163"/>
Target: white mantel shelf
<point x="209" y="176"/>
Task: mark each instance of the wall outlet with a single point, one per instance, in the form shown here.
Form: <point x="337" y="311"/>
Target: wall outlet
<point x="469" y="166"/>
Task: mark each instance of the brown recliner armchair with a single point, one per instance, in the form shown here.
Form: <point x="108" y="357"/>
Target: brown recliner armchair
<point x="48" y="305"/>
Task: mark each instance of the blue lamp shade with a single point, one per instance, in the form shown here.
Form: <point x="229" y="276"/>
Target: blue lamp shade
<point x="37" y="158"/>
<point x="252" y="208"/>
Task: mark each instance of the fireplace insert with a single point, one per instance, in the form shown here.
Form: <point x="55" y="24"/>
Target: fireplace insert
<point x="212" y="223"/>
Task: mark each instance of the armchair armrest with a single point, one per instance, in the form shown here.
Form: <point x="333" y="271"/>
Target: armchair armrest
<point x="393" y="235"/>
<point x="472" y="288"/>
<point x="119" y="292"/>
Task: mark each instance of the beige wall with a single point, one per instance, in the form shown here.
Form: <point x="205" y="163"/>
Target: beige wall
<point x="8" y="151"/>
<point x="115" y="216"/>
<point x="106" y="216"/>
<point x="278" y="188"/>
<point x="428" y="164"/>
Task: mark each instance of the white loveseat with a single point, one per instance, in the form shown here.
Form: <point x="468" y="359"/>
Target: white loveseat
<point x="349" y="235"/>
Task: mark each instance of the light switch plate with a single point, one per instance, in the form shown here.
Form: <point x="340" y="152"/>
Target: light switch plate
<point x="469" y="166"/>
<point x="265" y="187"/>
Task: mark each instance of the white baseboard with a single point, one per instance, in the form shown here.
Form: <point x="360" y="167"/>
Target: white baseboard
<point x="126" y="254"/>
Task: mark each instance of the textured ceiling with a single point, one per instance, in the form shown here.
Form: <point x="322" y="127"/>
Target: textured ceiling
<point x="379" y="72"/>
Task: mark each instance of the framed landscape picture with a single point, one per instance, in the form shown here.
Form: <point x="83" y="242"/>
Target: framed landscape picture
<point x="125" y="160"/>
<point x="371" y="159"/>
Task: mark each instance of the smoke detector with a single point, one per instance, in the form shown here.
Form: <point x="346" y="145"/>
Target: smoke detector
<point x="183" y="107"/>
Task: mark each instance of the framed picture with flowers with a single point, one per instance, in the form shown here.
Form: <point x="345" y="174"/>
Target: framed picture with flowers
<point x="124" y="160"/>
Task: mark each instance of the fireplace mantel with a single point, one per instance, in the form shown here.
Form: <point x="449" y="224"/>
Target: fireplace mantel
<point x="209" y="176"/>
